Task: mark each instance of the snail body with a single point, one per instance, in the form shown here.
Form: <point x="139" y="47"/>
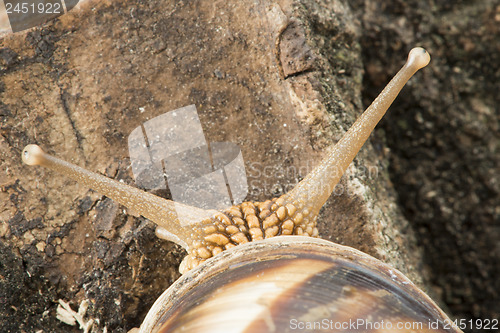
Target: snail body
<point x="246" y="272"/>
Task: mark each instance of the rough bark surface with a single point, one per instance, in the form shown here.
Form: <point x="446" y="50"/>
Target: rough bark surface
<point x="282" y="80"/>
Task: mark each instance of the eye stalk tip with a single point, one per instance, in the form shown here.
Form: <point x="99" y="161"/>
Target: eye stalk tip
<point x="418" y="57"/>
<point x="32" y="155"/>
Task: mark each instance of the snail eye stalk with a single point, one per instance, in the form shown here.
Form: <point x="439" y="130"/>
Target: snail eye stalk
<point x="313" y="191"/>
<point x="159" y="210"/>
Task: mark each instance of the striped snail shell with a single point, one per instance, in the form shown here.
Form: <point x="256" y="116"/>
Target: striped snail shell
<point x="290" y="284"/>
<point x="245" y="272"/>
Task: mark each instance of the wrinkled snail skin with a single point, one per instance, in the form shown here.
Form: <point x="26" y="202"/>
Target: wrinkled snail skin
<point x="249" y="272"/>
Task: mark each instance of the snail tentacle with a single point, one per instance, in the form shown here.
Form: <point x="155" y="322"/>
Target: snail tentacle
<point x="159" y="210"/>
<point x="313" y="191"/>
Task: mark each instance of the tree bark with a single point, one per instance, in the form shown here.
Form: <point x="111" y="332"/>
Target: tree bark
<point x="282" y="80"/>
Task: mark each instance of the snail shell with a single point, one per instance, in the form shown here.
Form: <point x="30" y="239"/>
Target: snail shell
<point x="290" y="283"/>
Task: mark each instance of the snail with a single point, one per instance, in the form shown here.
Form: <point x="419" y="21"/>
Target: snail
<point x="260" y="267"/>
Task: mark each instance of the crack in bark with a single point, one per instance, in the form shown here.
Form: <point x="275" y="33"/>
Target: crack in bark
<point x="65" y="105"/>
